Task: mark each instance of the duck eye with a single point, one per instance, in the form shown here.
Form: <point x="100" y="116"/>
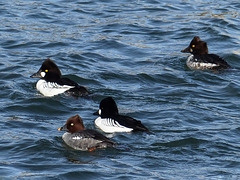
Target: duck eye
<point x="193" y="45"/>
<point x="46" y="70"/>
<point x="71" y="124"/>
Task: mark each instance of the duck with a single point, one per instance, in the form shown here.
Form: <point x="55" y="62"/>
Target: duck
<point x="79" y="138"/>
<point x="200" y="59"/>
<point x="110" y="121"/>
<point x="52" y="83"/>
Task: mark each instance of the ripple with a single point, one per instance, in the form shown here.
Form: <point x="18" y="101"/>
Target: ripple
<point x="130" y="51"/>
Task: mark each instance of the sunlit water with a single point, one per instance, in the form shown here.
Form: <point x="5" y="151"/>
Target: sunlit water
<point x="129" y="50"/>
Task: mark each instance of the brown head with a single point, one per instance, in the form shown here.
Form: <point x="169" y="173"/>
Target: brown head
<point x="196" y="47"/>
<point x="73" y="124"/>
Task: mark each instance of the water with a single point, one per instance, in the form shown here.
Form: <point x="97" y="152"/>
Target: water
<point x="130" y="51"/>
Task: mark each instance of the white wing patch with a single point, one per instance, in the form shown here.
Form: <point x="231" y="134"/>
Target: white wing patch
<point x="51" y="88"/>
<point x="77" y="137"/>
<point x="109" y="125"/>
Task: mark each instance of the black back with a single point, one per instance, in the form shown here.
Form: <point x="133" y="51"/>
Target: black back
<point x="213" y="58"/>
<point x="90" y="133"/>
<point x="130" y="123"/>
<point x="109" y="110"/>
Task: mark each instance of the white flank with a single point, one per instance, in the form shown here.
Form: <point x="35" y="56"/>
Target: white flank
<point x="110" y="126"/>
<point x="50" y="88"/>
<point x="194" y="64"/>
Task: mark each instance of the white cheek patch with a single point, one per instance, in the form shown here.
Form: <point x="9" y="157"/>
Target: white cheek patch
<point x="190" y="50"/>
<point x="43" y="74"/>
<point x="99" y="112"/>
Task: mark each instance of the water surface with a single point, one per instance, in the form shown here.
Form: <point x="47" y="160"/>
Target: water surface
<point x="130" y="51"/>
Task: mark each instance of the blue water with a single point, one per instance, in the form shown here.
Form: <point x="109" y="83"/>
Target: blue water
<point x="129" y="50"/>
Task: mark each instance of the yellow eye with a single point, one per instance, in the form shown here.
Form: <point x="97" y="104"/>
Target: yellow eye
<point x="46" y="70"/>
<point x="193" y="45"/>
<point x="71" y="124"/>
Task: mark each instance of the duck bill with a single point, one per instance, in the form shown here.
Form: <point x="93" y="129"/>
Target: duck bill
<point x="96" y="113"/>
<point x="186" y="50"/>
<point x="36" y="75"/>
<point x="64" y="128"/>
